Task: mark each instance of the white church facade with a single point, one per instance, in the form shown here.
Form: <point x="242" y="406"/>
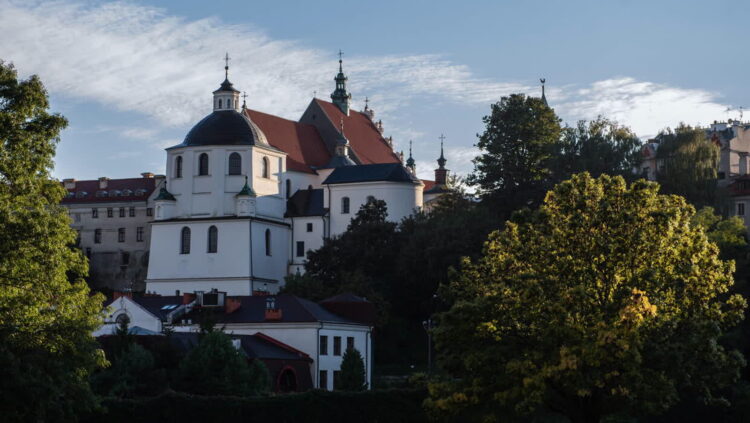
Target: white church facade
<point x="247" y="194"/>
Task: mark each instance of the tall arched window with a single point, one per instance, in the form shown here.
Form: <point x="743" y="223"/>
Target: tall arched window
<point x="266" y="168"/>
<point x="185" y="241"/>
<point x="203" y="164"/>
<point x="178" y="167"/>
<point x="213" y="239"/>
<point x="268" y="242"/>
<point x="235" y="164"/>
<point x="288" y="188"/>
<point x="220" y="103"/>
<point x="345" y="205"/>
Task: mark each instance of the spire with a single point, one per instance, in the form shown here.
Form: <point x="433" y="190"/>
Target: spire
<point x="246" y="190"/>
<point x="226" y="97"/>
<point x="340" y="96"/>
<point x="244" y="100"/>
<point x="441" y="173"/>
<point x="341" y="156"/>
<point x="410" y="161"/>
<point x="544" y="98"/>
<point x="226" y="66"/>
<point x="441" y="160"/>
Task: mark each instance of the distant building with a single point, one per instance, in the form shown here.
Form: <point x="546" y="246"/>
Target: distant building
<point x="112" y="219"/>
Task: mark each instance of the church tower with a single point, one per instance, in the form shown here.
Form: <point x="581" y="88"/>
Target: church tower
<point x="410" y="163"/>
<point x="340" y="97"/>
<point x="441" y="173"/>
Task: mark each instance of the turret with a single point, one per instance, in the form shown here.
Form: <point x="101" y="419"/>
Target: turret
<point x="226" y="97"/>
<point x="340" y="97"/>
<point x="165" y="204"/>
<point x="441" y="173"/>
<point x="410" y="163"/>
<point x="245" y="201"/>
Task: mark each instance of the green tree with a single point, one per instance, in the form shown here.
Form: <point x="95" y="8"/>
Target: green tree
<point x="352" y="376"/>
<point x="600" y="146"/>
<point x="517" y="146"/>
<point x="729" y="234"/>
<point x="47" y="314"/>
<point x="690" y="162"/>
<point x="606" y="299"/>
<point x="216" y="367"/>
<point x="132" y="372"/>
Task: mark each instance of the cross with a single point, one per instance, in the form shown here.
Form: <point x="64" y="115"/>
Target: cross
<point x="341" y="54"/>
<point x="367" y="102"/>
<point x="244" y="98"/>
<point x="441" y="138"/>
<point x="315" y="94"/>
<point x="226" y="65"/>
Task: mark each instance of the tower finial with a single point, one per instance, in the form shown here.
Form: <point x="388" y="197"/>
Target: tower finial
<point x="410" y="161"/>
<point x="441" y="160"/>
<point x="244" y="100"/>
<point x="367" y="103"/>
<point x="340" y="97"/>
<point x="544" y="98"/>
<point x="226" y="65"/>
<point x="341" y="55"/>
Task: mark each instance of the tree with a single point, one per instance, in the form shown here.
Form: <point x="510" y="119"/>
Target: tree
<point x="606" y="299"/>
<point x="132" y="373"/>
<point x="47" y="314"/>
<point x="690" y="162"/>
<point x="600" y="146"/>
<point x="352" y="376"/>
<point x="216" y="367"/>
<point x="514" y="168"/>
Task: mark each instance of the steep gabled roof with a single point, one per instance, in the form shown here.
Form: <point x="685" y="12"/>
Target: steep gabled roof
<point x="301" y="142"/>
<point x="366" y="141"/>
<point x="385" y="172"/>
<point x="306" y="202"/>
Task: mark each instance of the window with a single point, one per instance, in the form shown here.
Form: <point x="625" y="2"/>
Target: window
<point x="203" y="164"/>
<point x="121" y="235"/>
<point x="323" y="345"/>
<point x="97" y="236"/>
<point x="213" y="239"/>
<point x="139" y="234"/>
<point x="178" y="167"/>
<point x="722" y="175"/>
<point x="336" y="345"/>
<point x="122" y="211"/>
<point x="265" y="168"/>
<point x="94" y="213"/>
<point x="131" y="212"/>
<point x="88" y="252"/>
<point x="345" y="205"/>
<point x="127" y="193"/>
<point x="149" y="211"/>
<point x="288" y="188"/>
<point x="740" y="209"/>
<point x="300" y="248"/>
<point x="122" y="319"/>
<point x="268" y="242"/>
<point x="220" y="103"/>
<point x="349" y="343"/>
<point x="309" y="227"/>
<point x="323" y="380"/>
<point x="185" y="241"/>
<point x="336" y="374"/>
<point x="235" y="164"/>
<point x="124" y="259"/>
<point x="110" y="213"/>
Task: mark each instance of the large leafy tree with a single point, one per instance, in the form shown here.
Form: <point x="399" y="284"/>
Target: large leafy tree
<point x="517" y="146"/>
<point x="689" y="164"/>
<point x="47" y="314"/>
<point x="606" y="299"/>
<point x="600" y="146"/>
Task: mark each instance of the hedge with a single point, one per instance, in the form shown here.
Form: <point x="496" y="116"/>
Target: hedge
<point x="392" y="406"/>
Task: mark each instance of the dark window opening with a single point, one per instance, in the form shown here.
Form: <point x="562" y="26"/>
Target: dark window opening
<point x="139" y="234"/>
<point x="345" y="205"/>
<point x="268" y="242"/>
<point x="349" y="343"/>
<point x="109" y="212"/>
<point x="178" y="167"/>
<point x="203" y="164"/>
<point x="121" y="235"/>
<point x="132" y="212"/>
<point x="309" y="227"/>
<point x="94" y="213"/>
<point x="213" y="239"/>
<point x="300" y="248"/>
<point x="97" y="236"/>
<point x="323" y="380"/>
<point x="323" y="345"/>
<point x="235" y="164"/>
<point x="336" y="345"/>
<point x="185" y="241"/>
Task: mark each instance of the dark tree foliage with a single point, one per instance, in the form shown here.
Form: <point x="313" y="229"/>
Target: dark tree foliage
<point x="514" y="168"/>
<point x="352" y="376"/>
<point x="216" y="367"/>
<point x="600" y="146"/>
<point x="690" y="162"/>
<point x="47" y="314"/>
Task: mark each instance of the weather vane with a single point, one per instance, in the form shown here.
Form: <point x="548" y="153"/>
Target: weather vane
<point x="226" y="65"/>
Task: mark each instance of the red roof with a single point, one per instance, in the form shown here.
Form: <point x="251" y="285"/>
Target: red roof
<point x="428" y="184"/>
<point x="301" y="142"/>
<point x="144" y="186"/>
<point x="365" y="139"/>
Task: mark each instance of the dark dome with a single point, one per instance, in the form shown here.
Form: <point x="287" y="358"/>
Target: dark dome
<point x="225" y="127"/>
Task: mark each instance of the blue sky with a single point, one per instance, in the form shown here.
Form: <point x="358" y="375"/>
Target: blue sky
<point x="133" y="77"/>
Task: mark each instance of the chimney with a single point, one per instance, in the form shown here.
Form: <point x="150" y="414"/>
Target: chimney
<point x="69" y="183"/>
<point x="273" y="312"/>
<point x="441" y="176"/>
<point x="147" y="175"/>
<point x="118" y="294"/>
<point x="103" y="182"/>
<point x="231" y="304"/>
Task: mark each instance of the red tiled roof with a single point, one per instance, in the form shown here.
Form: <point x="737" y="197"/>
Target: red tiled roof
<point x="91" y="187"/>
<point x="301" y="142"/>
<point x="365" y="139"/>
<point x="740" y="186"/>
<point x="428" y="184"/>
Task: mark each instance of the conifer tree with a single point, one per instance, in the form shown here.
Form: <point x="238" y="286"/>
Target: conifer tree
<point x="47" y="314"/>
<point x="352" y="376"/>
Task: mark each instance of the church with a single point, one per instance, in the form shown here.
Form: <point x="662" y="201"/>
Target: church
<point x="247" y="194"/>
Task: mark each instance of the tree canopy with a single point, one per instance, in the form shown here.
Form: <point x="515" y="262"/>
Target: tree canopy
<point x="606" y="299"/>
<point x="352" y="376"/>
<point x="47" y="314"/>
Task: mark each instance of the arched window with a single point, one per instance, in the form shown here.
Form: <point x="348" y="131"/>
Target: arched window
<point x="266" y="168"/>
<point x="185" y="241"/>
<point x="220" y="103"/>
<point x="122" y="320"/>
<point x="287" y="381"/>
<point x="203" y="164"/>
<point x="345" y="205"/>
<point x="213" y="239"/>
<point x="288" y="188"/>
<point x="178" y="167"/>
<point x="268" y="242"/>
<point x="235" y="164"/>
<point x="229" y="104"/>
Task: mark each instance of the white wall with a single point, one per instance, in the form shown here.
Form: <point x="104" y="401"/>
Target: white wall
<point x="137" y="314"/>
<point x="313" y="240"/>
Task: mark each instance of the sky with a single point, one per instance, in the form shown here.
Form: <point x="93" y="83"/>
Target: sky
<point x="133" y="77"/>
